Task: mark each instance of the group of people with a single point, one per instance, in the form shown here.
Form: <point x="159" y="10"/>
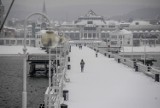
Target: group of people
<point x="80" y="46"/>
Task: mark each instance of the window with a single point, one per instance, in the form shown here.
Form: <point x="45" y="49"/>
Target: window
<point x="12" y="42"/>
<point x="7" y="42"/>
<point x="94" y="35"/>
<point x="27" y="42"/>
<point x="90" y="22"/>
<point x="72" y="36"/>
<point x="66" y="34"/>
<point x="89" y="35"/>
<point x="107" y="35"/>
<point x="1" y="42"/>
<point x="103" y="35"/>
<point x="89" y="28"/>
<point x="136" y="35"/>
<point x="114" y="36"/>
<point x="120" y="36"/>
<point x="19" y="42"/>
<point x="77" y="36"/>
<point x="113" y="42"/>
<point x="137" y="23"/>
<point x="97" y="35"/>
<point x="85" y="35"/>
<point x="128" y="42"/>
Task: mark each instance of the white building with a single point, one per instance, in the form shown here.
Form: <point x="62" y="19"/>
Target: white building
<point x="120" y="38"/>
<point x="92" y="28"/>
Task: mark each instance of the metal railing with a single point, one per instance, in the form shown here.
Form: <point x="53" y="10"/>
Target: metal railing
<point x="148" y="70"/>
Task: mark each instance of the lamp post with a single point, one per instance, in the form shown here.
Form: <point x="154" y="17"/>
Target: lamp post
<point x="145" y="52"/>
<point x="123" y="44"/>
<point x="50" y="39"/>
<point x="132" y="50"/>
<point x="24" y="93"/>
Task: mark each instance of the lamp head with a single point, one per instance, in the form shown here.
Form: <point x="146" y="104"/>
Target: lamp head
<point x="49" y="39"/>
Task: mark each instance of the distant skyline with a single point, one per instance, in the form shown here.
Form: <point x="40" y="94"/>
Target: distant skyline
<point x="71" y="9"/>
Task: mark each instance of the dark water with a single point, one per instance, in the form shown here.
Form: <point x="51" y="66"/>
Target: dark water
<point x="11" y="71"/>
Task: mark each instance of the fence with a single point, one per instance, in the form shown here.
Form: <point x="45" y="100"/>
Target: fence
<point x="148" y="70"/>
<point x="55" y="93"/>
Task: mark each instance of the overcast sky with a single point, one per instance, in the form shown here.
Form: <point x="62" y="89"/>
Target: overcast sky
<point x="71" y="9"/>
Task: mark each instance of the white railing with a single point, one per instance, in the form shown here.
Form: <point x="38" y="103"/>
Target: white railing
<point x="58" y="85"/>
<point x="155" y="71"/>
<point x="150" y="71"/>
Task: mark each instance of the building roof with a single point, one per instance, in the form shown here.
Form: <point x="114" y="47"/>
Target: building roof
<point x="67" y="23"/>
<point x="95" y="22"/>
<point x="91" y="14"/>
<point x="143" y="28"/>
<point x="125" y="32"/>
<point x="112" y="22"/>
<point x="121" y="32"/>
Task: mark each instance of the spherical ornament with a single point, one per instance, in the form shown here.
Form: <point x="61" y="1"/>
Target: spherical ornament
<point x="62" y="40"/>
<point x="50" y="39"/>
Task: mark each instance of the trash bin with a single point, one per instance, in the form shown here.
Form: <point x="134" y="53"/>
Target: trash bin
<point x="119" y="60"/>
<point x="41" y="106"/>
<point x="68" y="59"/>
<point x="136" y="68"/>
<point x="65" y="94"/>
<point x="148" y="68"/>
<point x="157" y="77"/>
<point x="69" y="67"/>
<point x="58" y="63"/>
<point x="70" y="49"/>
<point x="109" y="56"/>
<point x="64" y="106"/>
<point x="134" y="64"/>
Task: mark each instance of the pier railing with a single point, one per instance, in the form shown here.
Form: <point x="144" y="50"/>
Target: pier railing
<point x="54" y="96"/>
<point x="137" y="66"/>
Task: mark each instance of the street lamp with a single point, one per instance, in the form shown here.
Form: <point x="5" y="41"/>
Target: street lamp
<point x="24" y="93"/>
<point x="123" y="44"/>
<point x="145" y="51"/>
<point x="132" y="49"/>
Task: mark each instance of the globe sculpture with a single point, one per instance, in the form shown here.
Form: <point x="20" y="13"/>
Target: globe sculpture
<point x="49" y="39"/>
<point x="62" y="40"/>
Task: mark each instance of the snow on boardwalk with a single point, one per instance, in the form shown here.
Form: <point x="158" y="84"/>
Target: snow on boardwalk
<point x="107" y="84"/>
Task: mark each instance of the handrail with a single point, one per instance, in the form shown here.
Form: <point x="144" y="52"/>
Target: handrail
<point x="151" y="71"/>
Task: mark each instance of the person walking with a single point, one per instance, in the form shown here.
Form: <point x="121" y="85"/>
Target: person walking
<point x="96" y="54"/>
<point x="82" y="63"/>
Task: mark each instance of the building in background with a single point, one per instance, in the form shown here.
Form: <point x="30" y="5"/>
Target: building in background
<point x="87" y="29"/>
<point x="120" y="38"/>
<point x="14" y="33"/>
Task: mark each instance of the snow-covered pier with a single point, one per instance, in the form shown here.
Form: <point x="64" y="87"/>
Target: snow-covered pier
<point x="108" y="84"/>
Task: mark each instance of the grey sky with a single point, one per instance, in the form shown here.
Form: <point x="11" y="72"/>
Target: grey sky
<point x="71" y="9"/>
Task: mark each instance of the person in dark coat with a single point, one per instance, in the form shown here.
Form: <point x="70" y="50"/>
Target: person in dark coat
<point x="96" y="54"/>
<point x="82" y="63"/>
